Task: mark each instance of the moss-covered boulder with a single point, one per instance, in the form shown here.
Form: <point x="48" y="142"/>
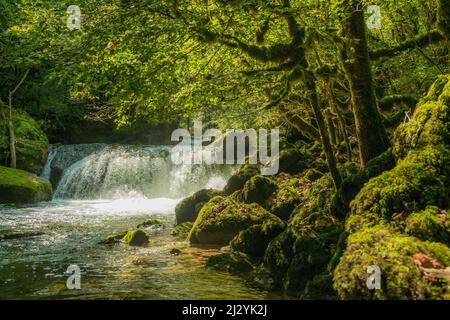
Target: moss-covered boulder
<point x="431" y="224"/>
<point x="395" y="254"/>
<point x="419" y="180"/>
<point x="17" y="186"/>
<point x="233" y="262"/>
<point x="258" y="190"/>
<point x="287" y="196"/>
<point x="136" y="238"/>
<point x="187" y="210"/>
<point x="430" y="123"/>
<point x="238" y="180"/>
<point x="304" y="249"/>
<point x="254" y="240"/>
<point x="294" y="161"/>
<point x="222" y="218"/>
<point x="31" y="143"/>
<point x="151" y="224"/>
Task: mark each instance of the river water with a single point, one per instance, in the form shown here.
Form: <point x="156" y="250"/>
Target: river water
<point x="105" y="190"/>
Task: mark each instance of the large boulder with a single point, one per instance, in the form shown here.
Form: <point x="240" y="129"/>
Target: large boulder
<point x="17" y="186"/>
<point x="31" y="143"/>
<point x="232" y="262"/>
<point x="187" y="210"/>
<point x="254" y="240"/>
<point x="222" y="218"/>
<point x="238" y="180"/>
<point x="258" y="190"/>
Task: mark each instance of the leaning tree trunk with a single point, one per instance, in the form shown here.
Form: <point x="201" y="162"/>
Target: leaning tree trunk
<point x="324" y="137"/>
<point x="370" y="132"/>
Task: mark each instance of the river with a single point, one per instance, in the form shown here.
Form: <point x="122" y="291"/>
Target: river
<point x="103" y="190"/>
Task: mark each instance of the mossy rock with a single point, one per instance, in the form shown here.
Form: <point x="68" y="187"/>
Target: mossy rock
<point x="294" y="161"/>
<point x="17" y="186"/>
<point x="305" y="248"/>
<point x="112" y="239"/>
<point x="394" y="254"/>
<point x="137" y="238"/>
<point x="258" y="190"/>
<point x="187" y="210"/>
<point x="419" y="180"/>
<point x="254" y="240"/>
<point x="238" y="180"/>
<point x="183" y="229"/>
<point x="31" y="143"/>
<point x="430" y="123"/>
<point x="222" y="218"/>
<point x="287" y="196"/>
<point x="431" y="224"/>
<point x="151" y="224"/>
<point x="233" y="262"/>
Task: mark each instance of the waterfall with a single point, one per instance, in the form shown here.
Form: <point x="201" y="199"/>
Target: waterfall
<point x="121" y="171"/>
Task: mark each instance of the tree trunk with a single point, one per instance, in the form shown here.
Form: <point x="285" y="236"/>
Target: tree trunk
<point x="12" y="145"/>
<point x="370" y="132"/>
<point x="325" y="138"/>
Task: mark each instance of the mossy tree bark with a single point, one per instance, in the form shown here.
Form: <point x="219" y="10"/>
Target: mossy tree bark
<point x="370" y="132"/>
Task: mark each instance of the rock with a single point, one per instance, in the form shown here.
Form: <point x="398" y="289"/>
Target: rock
<point x="431" y="224"/>
<point x="254" y="240"/>
<point x="304" y="249"/>
<point x="238" y="180"/>
<point x="182" y="229"/>
<point x="222" y="218"/>
<point x="395" y="255"/>
<point x="287" y="197"/>
<point x="430" y="123"/>
<point x="151" y="224"/>
<point x="17" y="186"/>
<point x="294" y="161"/>
<point x="31" y="143"/>
<point x="136" y="238"/>
<point x="258" y="189"/>
<point x="233" y="262"/>
<point x="112" y="239"/>
<point x="187" y="210"/>
<point x="175" y="252"/>
<point x="419" y="180"/>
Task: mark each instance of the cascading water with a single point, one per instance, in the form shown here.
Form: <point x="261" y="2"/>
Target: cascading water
<point x="101" y="190"/>
<point x="127" y="171"/>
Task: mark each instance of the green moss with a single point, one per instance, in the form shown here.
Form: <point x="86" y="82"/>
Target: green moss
<point x="394" y="254"/>
<point x="17" y="186"/>
<point x="188" y="208"/>
<point x="432" y="224"/>
<point x="221" y="219"/>
<point x="182" y="230"/>
<point x="430" y="124"/>
<point x="254" y="240"/>
<point x="320" y="288"/>
<point x="258" y="189"/>
<point x="31" y="143"/>
<point x="305" y="248"/>
<point x="421" y="179"/>
<point x="233" y="262"/>
<point x="112" y="239"/>
<point x="287" y="196"/>
<point x="294" y="161"/>
<point x="136" y="238"/>
<point x="151" y="224"/>
<point x="238" y="180"/>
